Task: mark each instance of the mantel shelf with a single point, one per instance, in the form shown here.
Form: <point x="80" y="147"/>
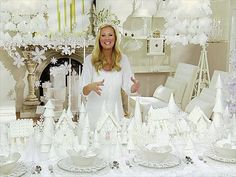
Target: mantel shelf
<point x="136" y="37"/>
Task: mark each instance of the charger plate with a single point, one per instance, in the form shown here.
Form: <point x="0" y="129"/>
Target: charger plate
<point x="67" y="165"/>
<point x="19" y="170"/>
<point x="211" y="154"/>
<point x="171" y="161"/>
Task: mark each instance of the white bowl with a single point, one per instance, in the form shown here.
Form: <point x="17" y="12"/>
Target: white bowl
<point x="157" y="154"/>
<point x="7" y="164"/>
<point x="82" y="159"/>
<point x="226" y="152"/>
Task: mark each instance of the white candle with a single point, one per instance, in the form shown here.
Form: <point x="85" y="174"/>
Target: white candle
<point x="79" y="70"/>
<point x="69" y="85"/>
<point x="80" y="90"/>
<point x="84" y="49"/>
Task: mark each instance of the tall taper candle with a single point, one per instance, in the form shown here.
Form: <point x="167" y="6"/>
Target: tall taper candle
<point x="82" y="7"/>
<point x="69" y="85"/>
<point x="58" y="17"/>
<point x="74" y="11"/>
<point x="79" y="70"/>
<point x="65" y="13"/>
<point x="80" y="89"/>
<point x="71" y="13"/>
<point x="84" y="48"/>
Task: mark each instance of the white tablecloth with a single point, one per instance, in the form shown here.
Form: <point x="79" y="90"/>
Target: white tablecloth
<point x="211" y="168"/>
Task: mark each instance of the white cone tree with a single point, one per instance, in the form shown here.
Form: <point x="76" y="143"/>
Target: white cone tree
<point x="130" y="144"/>
<point x="70" y="117"/>
<point x="49" y="126"/>
<point x="218" y="109"/>
<point x="81" y="121"/>
<point x="137" y="116"/>
<point x="173" y="108"/>
<point x="85" y="134"/>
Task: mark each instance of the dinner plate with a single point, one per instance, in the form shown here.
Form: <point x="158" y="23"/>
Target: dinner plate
<point x="67" y="165"/>
<point x="211" y="154"/>
<point x="19" y="170"/>
<point x="169" y="162"/>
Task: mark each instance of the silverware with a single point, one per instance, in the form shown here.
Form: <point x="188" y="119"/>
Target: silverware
<point x="114" y="165"/>
<point x="50" y="168"/>
<point x="36" y="169"/>
<point x="202" y="159"/>
<point x="128" y="163"/>
<point x="188" y="160"/>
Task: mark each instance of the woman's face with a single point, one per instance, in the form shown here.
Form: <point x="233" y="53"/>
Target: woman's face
<point x="107" y="38"/>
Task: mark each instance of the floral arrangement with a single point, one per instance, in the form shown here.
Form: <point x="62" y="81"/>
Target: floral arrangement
<point x="105" y="16"/>
<point x="23" y="26"/>
<point x="26" y="28"/>
<point x="187" y="21"/>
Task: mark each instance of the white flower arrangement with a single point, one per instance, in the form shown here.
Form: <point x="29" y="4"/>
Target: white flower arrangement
<point x="24" y="25"/>
<point x="187" y="22"/>
<point x="106" y="17"/>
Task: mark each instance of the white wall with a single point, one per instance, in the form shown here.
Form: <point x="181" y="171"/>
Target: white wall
<point x="9" y="74"/>
<point x="7" y="84"/>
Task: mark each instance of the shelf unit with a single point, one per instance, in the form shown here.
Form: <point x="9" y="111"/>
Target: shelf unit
<point x="144" y="42"/>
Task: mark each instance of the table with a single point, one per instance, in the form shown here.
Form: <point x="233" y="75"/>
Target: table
<point x="211" y="168"/>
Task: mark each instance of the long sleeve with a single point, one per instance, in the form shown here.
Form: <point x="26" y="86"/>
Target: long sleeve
<point x="87" y="73"/>
<point x="126" y="75"/>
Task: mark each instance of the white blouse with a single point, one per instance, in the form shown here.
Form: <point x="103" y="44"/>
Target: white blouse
<point x="111" y="91"/>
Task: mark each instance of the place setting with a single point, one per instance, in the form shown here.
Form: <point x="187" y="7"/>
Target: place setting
<point x="10" y="166"/>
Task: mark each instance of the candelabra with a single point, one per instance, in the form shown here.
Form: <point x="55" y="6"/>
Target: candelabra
<point x="31" y="99"/>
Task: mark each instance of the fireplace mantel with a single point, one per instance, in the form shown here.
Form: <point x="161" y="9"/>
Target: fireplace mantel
<point x="28" y="109"/>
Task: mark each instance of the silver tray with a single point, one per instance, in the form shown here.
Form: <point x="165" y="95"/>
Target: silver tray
<point x="67" y="165"/>
<point x="18" y="171"/>
<point x="211" y="154"/>
<point x="171" y="161"/>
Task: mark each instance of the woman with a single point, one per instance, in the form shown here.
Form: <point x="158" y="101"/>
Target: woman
<point x="105" y="72"/>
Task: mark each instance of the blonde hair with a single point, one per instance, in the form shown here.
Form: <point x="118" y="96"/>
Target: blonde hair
<point x="98" y="58"/>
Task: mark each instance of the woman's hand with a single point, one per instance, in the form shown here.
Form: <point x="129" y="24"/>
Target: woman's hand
<point x="95" y="86"/>
<point x="135" y="87"/>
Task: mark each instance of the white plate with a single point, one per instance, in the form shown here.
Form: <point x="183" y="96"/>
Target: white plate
<point x="18" y="171"/>
<point x="171" y="161"/>
<point x="211" y="154"/>
<point x="67" y="165"/>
